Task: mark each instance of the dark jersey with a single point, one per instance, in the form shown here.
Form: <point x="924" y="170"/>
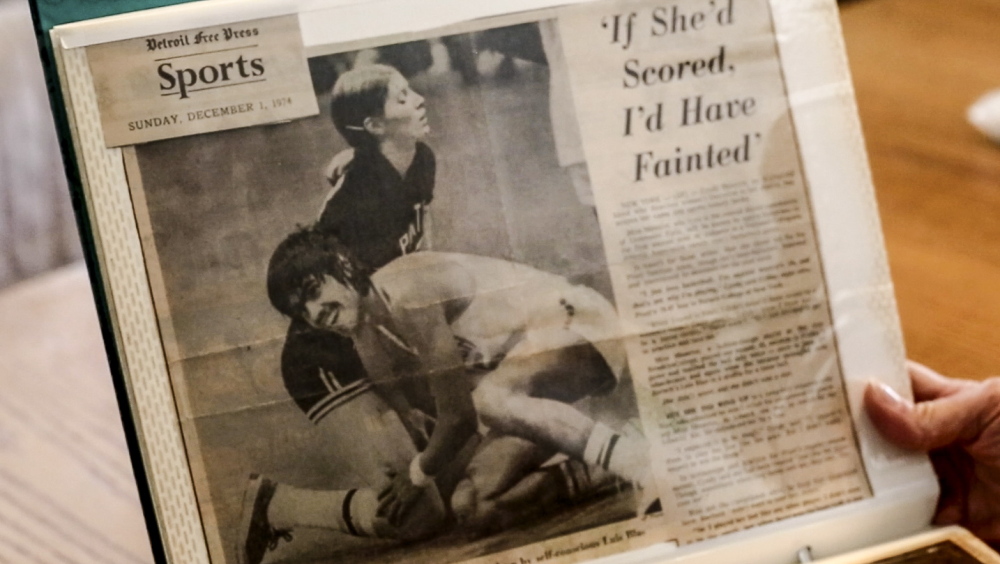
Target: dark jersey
<point x="380" y="216"/>
<point x="377" y="213"/>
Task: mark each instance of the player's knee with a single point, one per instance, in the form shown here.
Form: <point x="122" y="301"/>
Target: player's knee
<point x="463" y="501"/>
<point x="495" y="405"/>
<point x="473" y="514"/>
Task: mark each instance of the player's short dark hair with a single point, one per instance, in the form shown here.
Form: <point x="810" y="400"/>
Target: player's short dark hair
<point x="360" y="94"/>
<point x="308" y="255"/>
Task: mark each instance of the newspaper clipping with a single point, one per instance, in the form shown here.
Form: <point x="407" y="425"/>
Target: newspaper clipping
<point x="543" y="288"/>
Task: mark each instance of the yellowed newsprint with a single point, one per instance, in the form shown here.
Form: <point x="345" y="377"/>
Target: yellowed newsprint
<point x="201" y="80"/>
<point x="438" y="283"/>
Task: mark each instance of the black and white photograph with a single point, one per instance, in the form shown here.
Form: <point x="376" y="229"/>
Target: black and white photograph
<point x="520" y="283"/>
<point x="390" y="328"/>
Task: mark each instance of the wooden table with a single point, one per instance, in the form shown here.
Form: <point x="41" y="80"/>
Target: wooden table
<point x="66" y="491"/>
<point x="918" y="65"/>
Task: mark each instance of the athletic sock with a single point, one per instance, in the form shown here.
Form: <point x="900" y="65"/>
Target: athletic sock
<point x="359" y="511"/>
<point x="348" y="511"/>
<point x="625" y="456"/>
<point x="581" y="480"/>
<point x="598" y="443"/>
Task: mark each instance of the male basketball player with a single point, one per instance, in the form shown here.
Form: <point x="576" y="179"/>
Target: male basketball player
<point x="472" y="340"/>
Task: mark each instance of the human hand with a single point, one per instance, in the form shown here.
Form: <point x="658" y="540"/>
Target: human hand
<point x="958" y="423"/>
<point x="420" y="426"/>
<point x="398" y="498"/>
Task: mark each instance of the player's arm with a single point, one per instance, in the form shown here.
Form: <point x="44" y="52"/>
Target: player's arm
<point x="427" y="218"/>
<point x="334" y="174"/>
<point x="427" y="332"/>
<point x="416" y="423"/>
<point x="386" y="384"/>
<point x="432" y="339"/>
<point x="427" y="239"/>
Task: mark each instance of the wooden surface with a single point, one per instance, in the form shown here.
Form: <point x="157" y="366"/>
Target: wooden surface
<point x="918" y="65"/>
<point x="66" y="492"/>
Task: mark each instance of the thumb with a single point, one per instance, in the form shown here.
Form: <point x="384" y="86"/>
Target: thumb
<point x="926" y="425"/>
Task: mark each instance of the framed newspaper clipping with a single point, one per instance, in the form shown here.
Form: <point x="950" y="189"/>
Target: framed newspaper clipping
<point x="497" y="283"/>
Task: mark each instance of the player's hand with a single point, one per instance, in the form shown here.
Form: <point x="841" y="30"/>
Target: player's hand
<point x="420" y="426"/>
<point x="337" y="166"/>
<point x="398" y="498"/>
<point x="958" y="422"/>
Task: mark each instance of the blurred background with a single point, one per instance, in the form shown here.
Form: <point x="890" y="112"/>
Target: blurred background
<point x="66" y="491"/>
<point x="37" y="230"/>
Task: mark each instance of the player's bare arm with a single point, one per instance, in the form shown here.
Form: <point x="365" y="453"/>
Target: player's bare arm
<point x="431" y="337"/>
<point x="426" y="242"/>
<point x="426" y="333"/>
<point x="416" y="423"/>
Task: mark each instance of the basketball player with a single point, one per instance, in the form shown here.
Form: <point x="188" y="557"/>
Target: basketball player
<point x="378" y="204"/>
<point x="471" y="340"/>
